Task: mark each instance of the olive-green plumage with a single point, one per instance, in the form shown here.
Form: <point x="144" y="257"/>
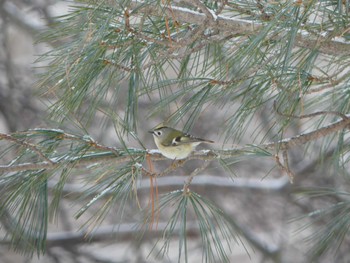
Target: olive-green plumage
<point x="175" y="144"/>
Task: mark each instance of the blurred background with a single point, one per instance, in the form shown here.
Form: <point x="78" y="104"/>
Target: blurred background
<point x="265" y="207"/>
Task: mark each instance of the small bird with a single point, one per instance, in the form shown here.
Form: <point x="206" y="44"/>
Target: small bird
<point x="175" y="144"/>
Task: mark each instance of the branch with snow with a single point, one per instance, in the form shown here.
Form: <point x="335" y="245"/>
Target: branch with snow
<point x="335" y="46"/>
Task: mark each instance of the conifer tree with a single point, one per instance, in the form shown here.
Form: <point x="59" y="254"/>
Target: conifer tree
<point x="273" y="73"/>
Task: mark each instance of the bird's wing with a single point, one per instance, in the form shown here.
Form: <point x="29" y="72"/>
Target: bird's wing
<point x="185" y="139"/>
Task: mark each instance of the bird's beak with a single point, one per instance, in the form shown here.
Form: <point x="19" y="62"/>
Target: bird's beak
<point x="151" y="132"/>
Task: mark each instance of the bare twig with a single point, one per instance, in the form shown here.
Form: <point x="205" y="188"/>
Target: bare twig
<point x="285" y="168"/>
<point x="193" y="174"/>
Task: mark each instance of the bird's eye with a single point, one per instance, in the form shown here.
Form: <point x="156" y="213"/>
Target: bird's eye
<point x="158" y="133"/>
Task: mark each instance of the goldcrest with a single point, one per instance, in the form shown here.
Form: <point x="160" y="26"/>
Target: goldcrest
<point x="175" y="144"/>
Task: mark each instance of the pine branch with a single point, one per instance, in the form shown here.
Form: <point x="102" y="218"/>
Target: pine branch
<point x="112" y="154"/>
<point x="140" y="40"/>
<point x="336" y="46"/>
<point x="25" y="145"/>
<point x="309" y="136"/>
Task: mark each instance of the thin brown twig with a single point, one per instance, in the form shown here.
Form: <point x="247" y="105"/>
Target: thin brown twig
<point x="305" y="116"/>
<point x="153" y="203"/>
<point x="244" y="76"/>
<point x="169" y="54"/>
<point x="192" y="175"/>
<point x="286" y="165"/>
<point x="333" y="81"/>
<point x="26" y="145"/>
<point x="167" y="22"/>
<point x="63" y="135"/>
<point x="118" y="66"/>
<point x="174" y="165"/>
<point x="283" y="168"/>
